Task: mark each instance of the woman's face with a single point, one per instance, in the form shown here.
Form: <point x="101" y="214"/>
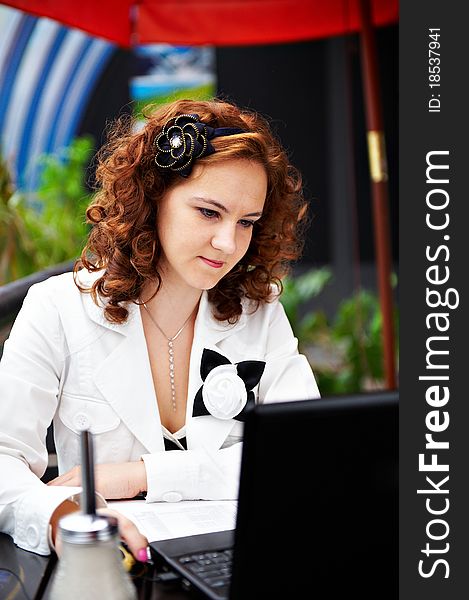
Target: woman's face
<point x="205" y="222"/>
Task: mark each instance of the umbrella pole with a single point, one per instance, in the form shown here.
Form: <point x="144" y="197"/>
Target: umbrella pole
<point x="378" y="172"/>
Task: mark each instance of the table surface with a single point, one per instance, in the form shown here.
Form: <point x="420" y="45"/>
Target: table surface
<point x="36" y="574"/>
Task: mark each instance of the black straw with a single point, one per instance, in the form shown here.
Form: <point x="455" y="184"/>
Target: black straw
<point x="88" y="501"/>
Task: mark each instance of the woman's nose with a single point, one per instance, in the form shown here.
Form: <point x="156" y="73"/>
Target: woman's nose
<point x="224" y="239"/>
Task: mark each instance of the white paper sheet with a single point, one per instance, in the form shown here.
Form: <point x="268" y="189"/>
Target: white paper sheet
<point x="163" y="520"/>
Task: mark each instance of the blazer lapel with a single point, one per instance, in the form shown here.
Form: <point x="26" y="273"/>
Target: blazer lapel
<point x="206" y="431"/>
<point x="124" y="377"/>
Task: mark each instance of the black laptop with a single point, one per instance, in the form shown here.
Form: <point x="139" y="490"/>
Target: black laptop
<point x="317" y="509"/>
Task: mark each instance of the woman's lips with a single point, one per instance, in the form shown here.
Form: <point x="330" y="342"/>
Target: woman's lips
<point x="216" y="264"/>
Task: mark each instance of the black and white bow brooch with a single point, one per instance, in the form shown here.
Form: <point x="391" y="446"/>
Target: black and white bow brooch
<point x="227" y="387"/>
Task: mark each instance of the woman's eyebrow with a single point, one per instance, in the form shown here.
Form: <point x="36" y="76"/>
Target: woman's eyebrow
<point x="223" y="208"/>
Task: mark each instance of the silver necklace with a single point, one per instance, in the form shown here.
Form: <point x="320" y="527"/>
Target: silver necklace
<point x="170" y="341"/>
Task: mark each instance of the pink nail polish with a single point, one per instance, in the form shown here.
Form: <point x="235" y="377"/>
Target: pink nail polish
<point x="142" y="555"/>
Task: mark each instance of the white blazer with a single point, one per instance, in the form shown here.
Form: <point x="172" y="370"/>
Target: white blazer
<point x="64" y="362"/>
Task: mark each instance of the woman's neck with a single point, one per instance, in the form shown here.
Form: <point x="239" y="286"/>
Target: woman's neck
<point x="171" y="306"/>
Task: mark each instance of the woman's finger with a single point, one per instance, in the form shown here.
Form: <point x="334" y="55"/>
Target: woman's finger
<point x="65" y="479"/>
<point x="71" y="477"/>
<point x="136" y="542"/>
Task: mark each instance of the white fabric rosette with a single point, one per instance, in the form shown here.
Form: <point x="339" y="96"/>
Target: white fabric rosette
<point x="224" y="392"/>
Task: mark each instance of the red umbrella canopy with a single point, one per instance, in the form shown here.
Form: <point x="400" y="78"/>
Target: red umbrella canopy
<point x="217" y="22"/>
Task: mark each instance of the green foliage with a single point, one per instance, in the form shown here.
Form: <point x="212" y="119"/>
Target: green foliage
<point x="345" y="352"/>
<point x="297" y="291"/>
<point x="51" y="229"/>
<point x="16" y="246"/>
<point x="58" y="229"/>
<point x="357" y="329"/>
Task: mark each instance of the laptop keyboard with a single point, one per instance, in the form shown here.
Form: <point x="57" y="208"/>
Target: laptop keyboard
<point x="213" y="568"/>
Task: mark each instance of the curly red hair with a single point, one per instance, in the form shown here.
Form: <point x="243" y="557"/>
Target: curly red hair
<point x="123" y="241"/>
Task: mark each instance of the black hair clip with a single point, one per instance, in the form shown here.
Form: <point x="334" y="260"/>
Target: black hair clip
<point x="185" y="138"/>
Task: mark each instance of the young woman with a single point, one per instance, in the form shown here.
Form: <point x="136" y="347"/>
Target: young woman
<point x="169" y="327"/>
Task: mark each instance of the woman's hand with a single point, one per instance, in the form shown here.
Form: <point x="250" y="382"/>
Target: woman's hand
<point x="112" y="481"/>
<point x="136" y="542"/>
<point x="128" y="532"/>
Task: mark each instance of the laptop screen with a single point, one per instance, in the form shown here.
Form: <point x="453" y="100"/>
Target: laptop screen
<point x="318" y="500"/>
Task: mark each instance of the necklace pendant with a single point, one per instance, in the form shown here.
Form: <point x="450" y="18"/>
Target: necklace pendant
<point x="171" y="375"/>
<point x="170" y="340"/>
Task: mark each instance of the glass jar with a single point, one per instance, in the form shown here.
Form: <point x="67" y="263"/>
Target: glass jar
<point x="90" y="565"/>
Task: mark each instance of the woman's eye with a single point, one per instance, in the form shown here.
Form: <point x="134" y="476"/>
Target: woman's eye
<point x="245" y="223"/>
<point x="207" y="212"/>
